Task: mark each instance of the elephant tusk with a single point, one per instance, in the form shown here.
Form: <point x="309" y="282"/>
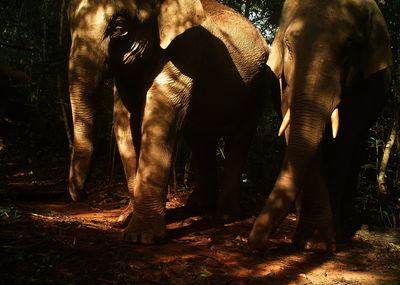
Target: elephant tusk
<point x="335" y="122"/>
<point x="285" y="123"/>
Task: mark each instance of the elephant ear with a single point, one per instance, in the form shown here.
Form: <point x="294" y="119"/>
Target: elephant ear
<point x="275" y="59"/>
<point x="176" y="16"/>
<point x="377" y="55"/>
<point x="277" y="56"/>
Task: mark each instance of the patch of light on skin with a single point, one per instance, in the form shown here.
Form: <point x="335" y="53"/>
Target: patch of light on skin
<point x="82" y="5"/>
<point x="284" y="182"/>
<point x="95" y="19"/>
<point x="172" y="84"/>
<point x="87" y="37"/>
<point x="83" y="140"/>
<point x="145" y="12"/>
<point x="295" y="27"/>
<point x="125" y="141"/>
<point x="99" y="18"/>
<point x="163" y="79"/>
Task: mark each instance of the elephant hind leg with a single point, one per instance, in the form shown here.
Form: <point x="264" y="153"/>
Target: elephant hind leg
<point x="343" y="191"/>
<point x="236" y="150"/>
<point x="204" y="196"/>
<point x="315" y="231"/>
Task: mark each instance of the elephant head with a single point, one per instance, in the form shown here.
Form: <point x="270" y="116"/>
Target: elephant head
<point x="325" y="54"/>
<point x="87" y="64"/>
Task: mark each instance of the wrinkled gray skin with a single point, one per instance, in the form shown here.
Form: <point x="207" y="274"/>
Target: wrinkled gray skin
<point x="327" y="54"/>
<point x="187" y="68"/>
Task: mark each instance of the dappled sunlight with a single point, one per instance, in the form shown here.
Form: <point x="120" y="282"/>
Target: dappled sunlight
<point x="190" y="82"/>
<point x="80" y="241"/>
<point x="176" y="16"/>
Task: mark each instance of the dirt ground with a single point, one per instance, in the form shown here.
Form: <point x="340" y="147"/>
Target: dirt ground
<point x="46" y="239"/>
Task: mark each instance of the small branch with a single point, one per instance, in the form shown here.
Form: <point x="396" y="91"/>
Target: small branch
<point x="397" y="178"/>
<point x="385" y="159"/>
<point x="393" y="139"/>
<point x="111" y="156"/>
<point x="20" y="47"/>
<point x="397" y="118"/>
<point x="187" y="171"/>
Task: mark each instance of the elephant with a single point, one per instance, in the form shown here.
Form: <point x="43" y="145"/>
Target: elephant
<point x="194" y="69"/>
<point x="333" y="61"/>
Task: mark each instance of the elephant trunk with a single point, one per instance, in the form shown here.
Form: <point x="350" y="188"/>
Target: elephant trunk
<point x="83" y="121"/>
<point x="88" y="54"/>
<point x="312" y="102"/>
<point x="85" y="74"/>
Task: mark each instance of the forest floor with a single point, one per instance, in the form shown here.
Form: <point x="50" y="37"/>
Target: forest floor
<point x="46" y="239"/>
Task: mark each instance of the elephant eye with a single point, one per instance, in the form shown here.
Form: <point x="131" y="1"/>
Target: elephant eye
<point x="119" y="31"/>
<point x="118" y="25"/>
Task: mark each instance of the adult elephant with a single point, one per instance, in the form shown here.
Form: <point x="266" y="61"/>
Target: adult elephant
<point x="181" y="67"/>
<point x="333" y="59"/>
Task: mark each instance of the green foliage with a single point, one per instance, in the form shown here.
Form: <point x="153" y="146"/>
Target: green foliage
<point x="375" y="207"/>
<point x="264" y="160"/>
<point x="29" y="41"/>
<point x="34" y="39"/>
<point x="264" y="14"/>
<point x="9" y="213"/>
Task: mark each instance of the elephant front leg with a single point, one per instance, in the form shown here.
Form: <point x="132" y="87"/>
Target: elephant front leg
<point x="343" y="157"/>
<point x="204" y="196"/>
<point x="236" y="149"/>
<point x="160" y="125"/>
<point x="127" y="150"/>
<point x="315" y="230"/>
<point x="147" y="224"/>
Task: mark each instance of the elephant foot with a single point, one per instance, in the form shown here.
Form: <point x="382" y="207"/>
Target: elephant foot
<point x="145" y="230"/>
<point x="126" y="213"/>
<point x="77" y="196"/>
<point x="315" y="240"/>
<point x="260" y="233"/>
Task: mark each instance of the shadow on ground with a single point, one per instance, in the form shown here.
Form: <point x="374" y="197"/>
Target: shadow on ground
<point x="45" y="239"/>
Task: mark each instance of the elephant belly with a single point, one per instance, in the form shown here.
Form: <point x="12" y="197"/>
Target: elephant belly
<point x="218" y="111"/>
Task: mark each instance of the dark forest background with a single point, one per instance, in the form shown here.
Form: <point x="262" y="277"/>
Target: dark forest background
<point x="35" y="116"/>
